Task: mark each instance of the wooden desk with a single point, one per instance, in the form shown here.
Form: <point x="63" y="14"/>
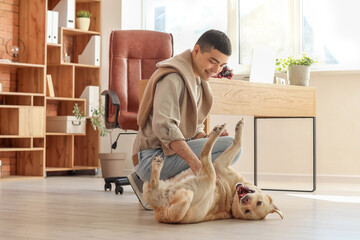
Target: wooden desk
<point x="265" y="101"/>
<point x="236" y="97"/>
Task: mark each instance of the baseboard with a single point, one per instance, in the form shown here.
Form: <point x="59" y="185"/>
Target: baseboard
<point x="320" y="178"/>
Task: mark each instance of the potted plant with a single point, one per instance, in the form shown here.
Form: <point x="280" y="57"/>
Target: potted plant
<point x="298" y="69"/>
<point x="83" y="20"/>
<point x="112" y="164"/>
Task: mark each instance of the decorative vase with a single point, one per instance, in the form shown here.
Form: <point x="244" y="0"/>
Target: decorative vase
<point x="299" y="75"/>
<point x="83" y="23"/>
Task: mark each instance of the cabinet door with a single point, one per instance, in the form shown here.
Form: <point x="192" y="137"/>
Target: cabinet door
<point x="32" y="121"/>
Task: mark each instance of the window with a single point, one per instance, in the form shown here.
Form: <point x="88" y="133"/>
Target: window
<point x="265" y="24"/>
<point x="330" y="31"/>
<point x="325" y="29"/>
<point x="185" y="19"/>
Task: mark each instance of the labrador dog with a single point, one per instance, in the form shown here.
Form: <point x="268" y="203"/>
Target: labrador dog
<point x="216" y="192"/>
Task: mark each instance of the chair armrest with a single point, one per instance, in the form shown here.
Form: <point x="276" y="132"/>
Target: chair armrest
<point x="111" y="95"/>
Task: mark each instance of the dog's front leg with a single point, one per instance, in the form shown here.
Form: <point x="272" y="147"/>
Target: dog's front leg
<point x="228" y="155"/>
<point x="157" y="164"/>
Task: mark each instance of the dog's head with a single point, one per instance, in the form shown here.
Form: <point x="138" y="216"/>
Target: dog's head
<point x="251" y="203"/>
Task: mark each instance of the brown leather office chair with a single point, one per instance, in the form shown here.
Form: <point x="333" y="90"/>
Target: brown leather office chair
<point x="133" y="55"/>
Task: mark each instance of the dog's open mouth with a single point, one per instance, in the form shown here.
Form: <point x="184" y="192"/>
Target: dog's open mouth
<point x="242" y="190"/>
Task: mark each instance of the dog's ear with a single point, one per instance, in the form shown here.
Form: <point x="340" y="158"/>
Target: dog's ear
<point x="277" y="210"/>
<point x="274" y="208"/>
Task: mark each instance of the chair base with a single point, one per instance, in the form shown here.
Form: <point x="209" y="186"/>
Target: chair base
<point x="118" y="181"/>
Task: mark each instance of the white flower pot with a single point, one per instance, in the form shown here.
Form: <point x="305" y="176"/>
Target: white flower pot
<point x="83" y="23"/>
<point x="299" y="75"/>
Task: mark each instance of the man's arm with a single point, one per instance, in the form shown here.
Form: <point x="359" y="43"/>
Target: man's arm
<point x="185" y="152"/>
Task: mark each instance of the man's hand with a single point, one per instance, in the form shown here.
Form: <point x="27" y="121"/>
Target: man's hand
<point x="185" y="152"/>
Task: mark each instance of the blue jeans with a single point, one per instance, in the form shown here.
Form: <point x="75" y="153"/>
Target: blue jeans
<point x="174" y="164"/>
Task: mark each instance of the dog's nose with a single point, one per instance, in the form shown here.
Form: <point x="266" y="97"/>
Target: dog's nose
<point x="246" y="200"/>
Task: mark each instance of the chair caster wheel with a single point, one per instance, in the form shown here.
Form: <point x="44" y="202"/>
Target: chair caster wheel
<point x="119" y="189"/>
<point x="107" y="186"/>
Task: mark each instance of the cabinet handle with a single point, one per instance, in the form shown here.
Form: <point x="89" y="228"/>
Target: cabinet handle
<point x="76" y="123"/>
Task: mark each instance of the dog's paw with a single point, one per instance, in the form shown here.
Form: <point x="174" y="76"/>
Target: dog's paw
<point x="217" y="130"/>
<point x="239" y="125"/>
<point x="157" y="162"/>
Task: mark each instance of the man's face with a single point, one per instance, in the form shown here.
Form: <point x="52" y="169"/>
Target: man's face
<point x="208" y="64"/>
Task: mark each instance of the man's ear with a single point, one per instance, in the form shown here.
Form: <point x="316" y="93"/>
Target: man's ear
<point x="196" y="49"/>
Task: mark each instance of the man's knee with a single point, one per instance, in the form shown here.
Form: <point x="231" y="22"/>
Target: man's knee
<point x="224" y="142"/>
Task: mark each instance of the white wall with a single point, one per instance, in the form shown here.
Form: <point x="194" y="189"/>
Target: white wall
<point x="111" y="20"/>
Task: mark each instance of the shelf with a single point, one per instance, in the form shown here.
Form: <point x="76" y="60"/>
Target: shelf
<point x="85" y="167"/>
<point x="55" y="45"/>
<point x="87" y="1"/>
<point x="64" y="134"/>
<point x="20" y="65"/>
<point x="18" y="177"/>
<point x="77" y="65"/>
<point x="20" y="149"/>
<point x="22" y="94"/>
<point x="78" y="32"/>
<point x="14" y="106"/>
<point x="55" y="169"/>
<point x="65" y="99"/>
<point x="17" y="136"/>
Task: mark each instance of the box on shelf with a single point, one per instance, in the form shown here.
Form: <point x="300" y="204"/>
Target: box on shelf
<point x="91" y="53"/>
<point x="66" y="9"/>
<point x="91" y="94"/>
<point x="65" y="124"/>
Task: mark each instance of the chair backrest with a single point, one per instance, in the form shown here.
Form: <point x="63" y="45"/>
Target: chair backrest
<point x="133" y="55"/>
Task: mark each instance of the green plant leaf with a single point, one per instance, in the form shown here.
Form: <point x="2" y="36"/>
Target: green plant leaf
<point x="283" y="64"/>
<point x="83" y="14"/>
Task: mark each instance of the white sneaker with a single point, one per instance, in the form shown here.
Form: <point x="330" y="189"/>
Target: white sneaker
<point x="137" y="184"/>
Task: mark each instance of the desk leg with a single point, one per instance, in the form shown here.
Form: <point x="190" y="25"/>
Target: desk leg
<point x="314" y="154"/>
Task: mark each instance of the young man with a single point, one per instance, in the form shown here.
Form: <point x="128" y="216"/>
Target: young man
<point x="171" y="116"/>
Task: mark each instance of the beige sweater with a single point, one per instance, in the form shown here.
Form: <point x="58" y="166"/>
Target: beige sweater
<point x="172" y="121"/>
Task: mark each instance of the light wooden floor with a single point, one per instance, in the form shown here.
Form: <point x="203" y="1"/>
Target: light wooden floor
<point x="78" y="208"/>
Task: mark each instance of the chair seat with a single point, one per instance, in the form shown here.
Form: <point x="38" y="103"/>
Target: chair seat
<point x="128" y="120"/>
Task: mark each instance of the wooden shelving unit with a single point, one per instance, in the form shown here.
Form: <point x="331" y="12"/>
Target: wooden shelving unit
<point x="64" y="151"/>
<point x="27" y="151"/>
<point x="22" y="102"/>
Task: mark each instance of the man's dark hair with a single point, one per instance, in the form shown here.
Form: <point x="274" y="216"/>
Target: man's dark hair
<point x="214" y="39"/>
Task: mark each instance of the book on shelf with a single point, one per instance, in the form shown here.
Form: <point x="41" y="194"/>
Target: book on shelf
<point x="50" y="87"/>
<point x="52" y="27"/>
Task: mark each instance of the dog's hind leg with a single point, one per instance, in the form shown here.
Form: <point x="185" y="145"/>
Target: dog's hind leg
<point x="228" y="155"/>
<point x="205" y="155"/>
<point x="178" y="207"/>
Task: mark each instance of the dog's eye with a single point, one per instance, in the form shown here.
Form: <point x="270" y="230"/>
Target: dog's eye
<point x="247" y="211"/>
<point x="259" y="203"/>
